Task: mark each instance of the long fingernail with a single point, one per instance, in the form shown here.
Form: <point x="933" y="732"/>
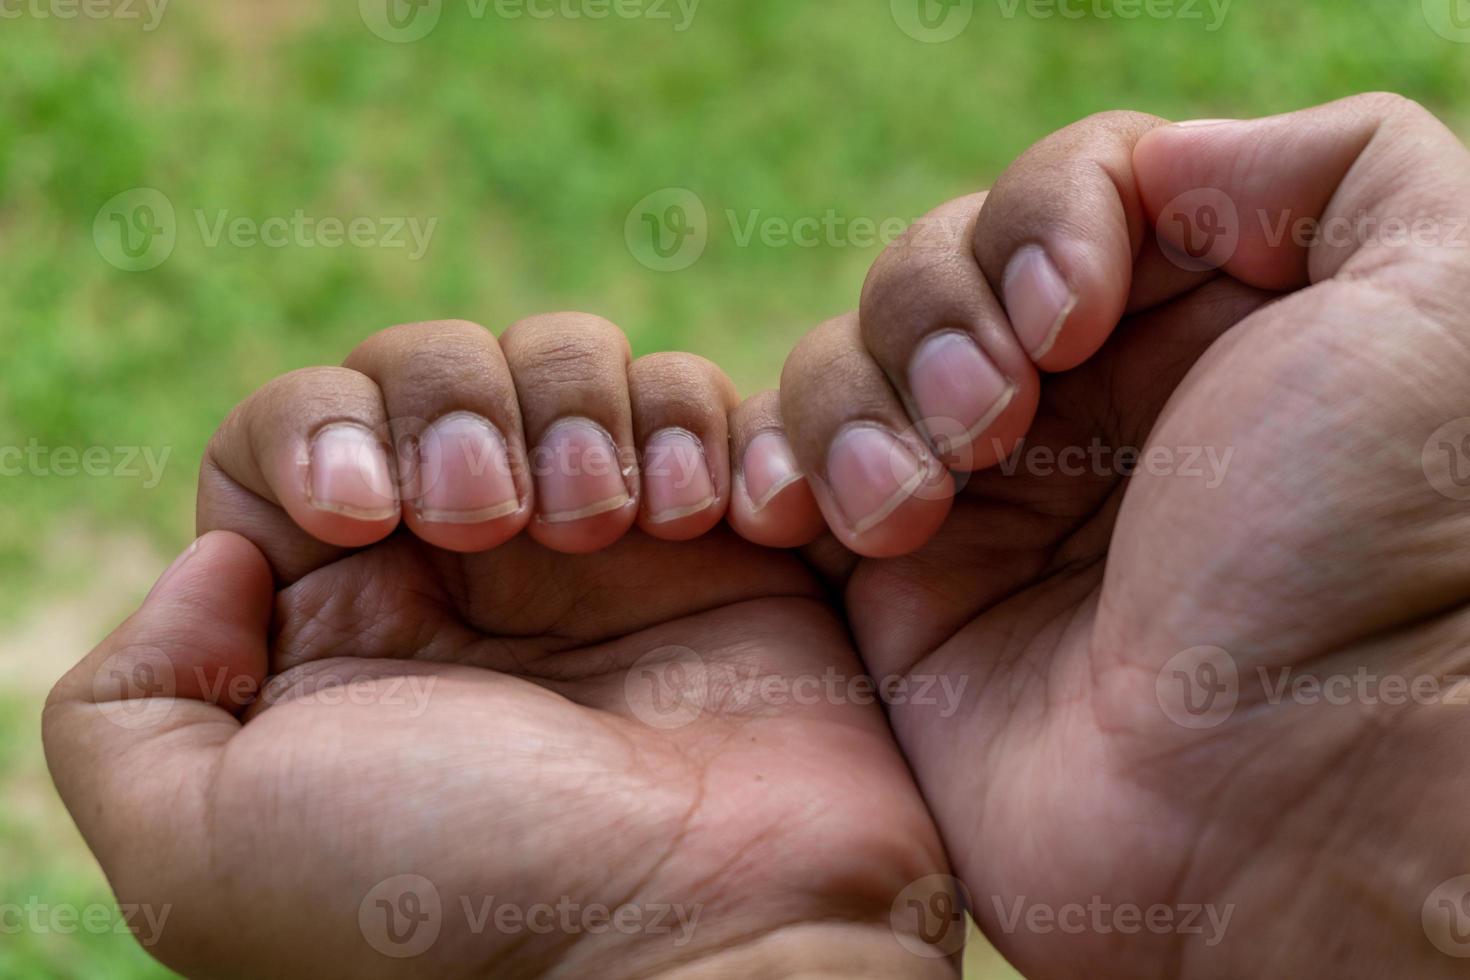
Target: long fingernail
<point x="769" y="467"/>
<point x="465" y="473"/>
<point x="349" y="474"/>
<point x="1038" y="300"/>
<point x="676" y="478"/>
<point x="871" y="474"/>
<point x="957" y="389"/>
<point x="578" y="474"/>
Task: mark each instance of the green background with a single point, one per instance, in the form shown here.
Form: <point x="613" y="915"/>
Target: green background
<point x="528" y="142"/>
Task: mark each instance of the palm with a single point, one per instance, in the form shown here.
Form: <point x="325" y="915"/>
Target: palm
<point x="1064" y="597"/>
<point x="527" y="725"/>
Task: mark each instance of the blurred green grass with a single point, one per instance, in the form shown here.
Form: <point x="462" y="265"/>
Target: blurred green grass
<point x="527" y="142"/>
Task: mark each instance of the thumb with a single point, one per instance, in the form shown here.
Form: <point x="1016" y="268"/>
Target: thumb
<point x="1337" y="413"/>
<point x="135" y="731"/>
<point x="1363" y="186"/>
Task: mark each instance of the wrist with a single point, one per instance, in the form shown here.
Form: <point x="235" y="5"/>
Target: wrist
<point x="1365" y="876"/>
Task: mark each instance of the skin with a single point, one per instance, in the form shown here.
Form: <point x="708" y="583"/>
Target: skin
<point x="1069" y="603"/>
<point x="1077" y="602"/>
<point x="600" y="739"/>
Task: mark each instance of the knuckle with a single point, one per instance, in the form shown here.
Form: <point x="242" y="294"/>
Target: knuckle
<point x="551" y="329"/>
<point x="829" y="358"/>
<point x="941" y="234"/>
<point x="760" y="411"/>
<point x="314" y="391"/>
<point x="379" y="351"/>
<point x="456" y="326"/>
<point x="673" y="383"/>
<point x="445" y="368"/>
<point x="1118" y="121"/>
<point x="563" y="361"/>
<point x="805" y="360"/>
<point x="932" y="265"/>
<point x="917" y="286"/>
<point x="428" y="330"/>
<point x="1388" y="105"/>
<point x="688" y="372"/>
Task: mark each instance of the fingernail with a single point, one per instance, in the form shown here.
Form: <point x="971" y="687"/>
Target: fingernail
<point x="349" y="474"/>
<point x="1201" y="123"/>
<point x="871" y="474"/>
<point x="1038" y="300"/>
<point x="465" y="473"/>
<point x="578" y="473"/>
<point x="172" y="569"/>
<point x="769" y="467"/>
<point x="956" y="388"/>
<point x="676" y="478"/>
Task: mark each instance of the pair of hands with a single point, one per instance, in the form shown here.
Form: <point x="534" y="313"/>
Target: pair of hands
<point x="368" y="727"/>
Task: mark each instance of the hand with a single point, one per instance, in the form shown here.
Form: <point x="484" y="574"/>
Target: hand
<point x="339" y="749"/>
<point x="1296" y="511"/>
